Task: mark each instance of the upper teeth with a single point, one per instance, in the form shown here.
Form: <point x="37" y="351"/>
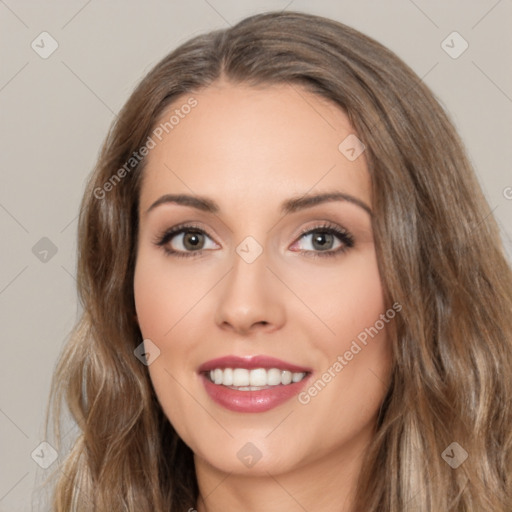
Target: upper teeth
<point x="257" y="377"/>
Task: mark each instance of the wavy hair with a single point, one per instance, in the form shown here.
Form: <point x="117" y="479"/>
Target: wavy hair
<point x="439" y="254"/>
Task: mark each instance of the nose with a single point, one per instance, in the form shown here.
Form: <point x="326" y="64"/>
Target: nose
<point x="251" y="298"/>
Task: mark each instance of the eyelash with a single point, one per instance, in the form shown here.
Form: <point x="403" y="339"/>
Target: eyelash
<point x="326" y="228"/>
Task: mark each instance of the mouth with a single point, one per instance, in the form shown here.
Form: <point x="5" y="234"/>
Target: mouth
<point x="244" y="379"/>
<point x="252" y="384"/>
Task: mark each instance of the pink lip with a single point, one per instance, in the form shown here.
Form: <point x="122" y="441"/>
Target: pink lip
<point x="251" y="401"/>
<point x="250" y="362"/>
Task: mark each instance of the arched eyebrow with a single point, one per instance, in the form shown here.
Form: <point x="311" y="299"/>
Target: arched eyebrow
<point x="291" y="205"/>
<point x="308" y="201"/>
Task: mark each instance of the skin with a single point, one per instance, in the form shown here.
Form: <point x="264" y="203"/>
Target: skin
<point x="249" y="149"/>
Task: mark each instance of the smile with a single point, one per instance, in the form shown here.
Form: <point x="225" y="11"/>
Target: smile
<point x="251" y="384"/>
<point x="244" y="379"/>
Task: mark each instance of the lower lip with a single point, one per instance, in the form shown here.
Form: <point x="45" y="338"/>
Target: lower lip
<point x="251" y="401"/>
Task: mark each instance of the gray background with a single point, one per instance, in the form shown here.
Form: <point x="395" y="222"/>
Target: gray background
<point x="55" y="113"/>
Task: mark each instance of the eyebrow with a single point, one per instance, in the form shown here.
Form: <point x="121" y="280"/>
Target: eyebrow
<point x="291" y="205"/>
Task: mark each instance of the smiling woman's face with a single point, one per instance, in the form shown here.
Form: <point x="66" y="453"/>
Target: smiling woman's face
<point x="251" y="280"/>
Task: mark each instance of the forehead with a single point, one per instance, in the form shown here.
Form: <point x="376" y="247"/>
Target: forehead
<point x="258" y="145"/>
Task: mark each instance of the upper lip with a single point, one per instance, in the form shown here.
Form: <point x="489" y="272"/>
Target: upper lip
<point x="251" y="362"/>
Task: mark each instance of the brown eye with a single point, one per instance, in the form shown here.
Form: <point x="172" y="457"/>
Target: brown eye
<point x="184" y="241"/>
<point x="192" y="240"/>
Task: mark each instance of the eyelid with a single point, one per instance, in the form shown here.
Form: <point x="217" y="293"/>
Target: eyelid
<point x="343" y="235"/>
<point x="167" y="235"/>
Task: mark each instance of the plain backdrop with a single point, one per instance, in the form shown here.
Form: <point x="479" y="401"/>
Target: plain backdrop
<point x="55" y="113"/>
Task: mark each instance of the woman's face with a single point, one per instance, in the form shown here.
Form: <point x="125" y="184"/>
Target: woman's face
<point x="265" y="284"/>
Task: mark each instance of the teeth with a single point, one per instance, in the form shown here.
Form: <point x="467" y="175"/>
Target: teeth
<point x="257" y="377"/>
<point x="297" y="377"/>
<point x="227" y="377"/>
<point x="250" y="380"/>
<point x="286" y="377"/>
<point x="273" y="377"/>
<point x="241" y="377"/>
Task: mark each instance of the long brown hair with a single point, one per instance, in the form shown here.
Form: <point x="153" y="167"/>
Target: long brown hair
<point x="439" y="253"/>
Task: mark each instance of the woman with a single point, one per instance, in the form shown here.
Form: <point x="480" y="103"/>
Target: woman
<point x="293" y="294"/>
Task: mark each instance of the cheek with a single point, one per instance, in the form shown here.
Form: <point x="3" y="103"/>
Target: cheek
<point x="355" y="351"/>
<point x="361" y="329"/>
<point x="150" y="301"/>
<point x="359" y="299"/>
<point x="159" y="301"/>
<point x="346" y="298"/>
<point x="162" y="294"/>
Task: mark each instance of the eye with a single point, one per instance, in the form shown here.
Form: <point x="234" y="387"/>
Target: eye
<point x="323" y="238"/>
<point x="188" y="241"/>
<point x="183" y="241"/>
